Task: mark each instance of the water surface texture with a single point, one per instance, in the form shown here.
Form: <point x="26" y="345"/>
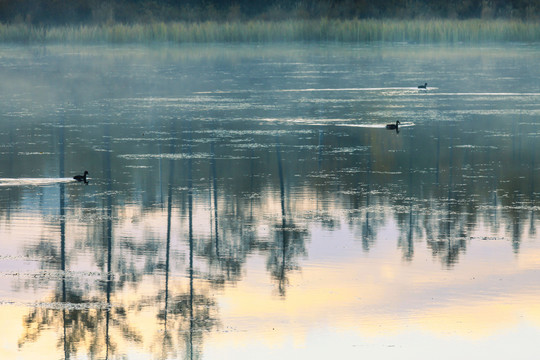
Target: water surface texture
<point x="247" y="201"/>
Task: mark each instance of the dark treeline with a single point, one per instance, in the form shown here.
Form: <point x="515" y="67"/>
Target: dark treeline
<point x="59" y="12"/>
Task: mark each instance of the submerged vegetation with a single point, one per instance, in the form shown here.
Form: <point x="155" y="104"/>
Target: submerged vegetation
<point x="432" y="31"/>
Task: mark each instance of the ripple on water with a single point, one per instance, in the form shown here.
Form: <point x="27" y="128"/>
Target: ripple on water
<point x="33" y="181"/>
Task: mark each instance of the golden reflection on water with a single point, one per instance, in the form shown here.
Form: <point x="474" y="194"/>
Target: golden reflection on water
<point x="358" y="299"/>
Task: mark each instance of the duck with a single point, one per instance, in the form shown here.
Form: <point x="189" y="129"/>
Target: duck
<point x="393" y="126"/>
<point x="423" y="86"/>
<point x="81" y="177"/>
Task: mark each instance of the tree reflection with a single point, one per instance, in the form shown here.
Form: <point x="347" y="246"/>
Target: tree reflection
<point x="80" y="315"/>
<point x="189" y="314"/>
<point x="367" y="229"/>
<point x="449" y="240"/>
<point x="225" y="254"/>
<point x="288" y="240"/>
<point x="167" y="341"/>
<point x="532" y="194"/>
<point x="230" y="203"/>
<point x="406" y="241"/>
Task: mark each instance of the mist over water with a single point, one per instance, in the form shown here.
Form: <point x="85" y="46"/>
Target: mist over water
<point x="248" y="199"/>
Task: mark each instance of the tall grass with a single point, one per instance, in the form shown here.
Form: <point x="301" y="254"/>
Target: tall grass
<point x="432" y="31"/>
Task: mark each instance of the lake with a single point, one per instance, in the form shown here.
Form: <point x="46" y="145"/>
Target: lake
<point x="247" y="201"/>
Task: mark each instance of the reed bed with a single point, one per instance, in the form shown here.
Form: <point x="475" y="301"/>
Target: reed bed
<point x="433" y="31"/>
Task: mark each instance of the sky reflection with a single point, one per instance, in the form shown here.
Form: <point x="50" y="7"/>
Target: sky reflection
<point x="232" y="213"/>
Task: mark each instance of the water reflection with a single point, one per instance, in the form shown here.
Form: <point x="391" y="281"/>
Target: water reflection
<point x="251" y="212"/>
<point x="288" y="242"/>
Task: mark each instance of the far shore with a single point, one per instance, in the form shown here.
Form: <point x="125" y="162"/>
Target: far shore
<point x="359" y="31"/>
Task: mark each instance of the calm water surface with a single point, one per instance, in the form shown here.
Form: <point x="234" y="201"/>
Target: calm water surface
<point x="247" y="202"/>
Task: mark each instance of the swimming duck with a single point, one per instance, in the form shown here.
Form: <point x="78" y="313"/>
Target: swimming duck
<point x="393" y="126"/>
<point x="81" y="177"/>
<point x="423" y="86"/>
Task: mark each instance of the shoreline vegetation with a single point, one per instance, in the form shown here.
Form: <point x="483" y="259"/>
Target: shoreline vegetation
<point x="296" y="30"/>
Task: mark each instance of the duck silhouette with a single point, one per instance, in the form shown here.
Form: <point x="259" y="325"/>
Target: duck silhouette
<point x="423" y="86"/>
<point x="393" y="126"/>
<point x="81" y="177"/>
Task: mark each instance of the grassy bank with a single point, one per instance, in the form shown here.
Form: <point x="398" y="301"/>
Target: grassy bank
<point x="433" y="31"/>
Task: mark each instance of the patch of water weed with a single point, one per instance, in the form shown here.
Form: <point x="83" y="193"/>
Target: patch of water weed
<point x="346" y="150"/>
<point x="487" y="238"/>
<point x="178" y="156"/>
<point x="253" y="146"/>
<point x="231" y="133"/>
<point x="469" y="146"/>
<point x="26" y="258"/>
<point x="34" y="153"/>
<point x="61" y="305"/>
<point x="53" y="274"/>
